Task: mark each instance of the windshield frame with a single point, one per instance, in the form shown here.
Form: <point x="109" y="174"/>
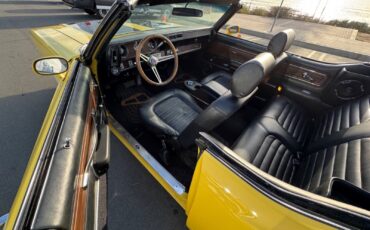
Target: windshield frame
<point x="121" y="11"/>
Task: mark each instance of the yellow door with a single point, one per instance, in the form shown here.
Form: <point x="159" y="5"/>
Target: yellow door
<point x="220" y="199"/>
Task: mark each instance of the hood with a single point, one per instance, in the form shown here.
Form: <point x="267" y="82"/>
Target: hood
<point x="66" y="40"/>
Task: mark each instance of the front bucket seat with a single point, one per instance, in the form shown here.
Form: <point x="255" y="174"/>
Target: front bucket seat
<point x="176" y="115"/>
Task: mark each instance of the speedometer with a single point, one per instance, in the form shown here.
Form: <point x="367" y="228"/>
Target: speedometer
<point x="152" y="44"/>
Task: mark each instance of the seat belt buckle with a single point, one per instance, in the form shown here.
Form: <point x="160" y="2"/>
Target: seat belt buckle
<point x="297" y="158"/>
<point x="296" y="162"/>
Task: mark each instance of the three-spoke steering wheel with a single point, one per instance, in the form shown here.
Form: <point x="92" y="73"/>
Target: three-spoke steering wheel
<point x="154" y="57"/>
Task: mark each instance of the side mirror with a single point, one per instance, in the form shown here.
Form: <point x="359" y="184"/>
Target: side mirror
<point x="232" y="30"/>
<point x="50" y="66"/>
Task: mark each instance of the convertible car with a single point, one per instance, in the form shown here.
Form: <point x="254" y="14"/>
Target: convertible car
<point x="241" y="135"/>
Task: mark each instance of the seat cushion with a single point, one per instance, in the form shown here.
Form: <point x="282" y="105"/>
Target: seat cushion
<point x="349" y="161"/>
<point x="218" y="82"/>
<point x="307" y="128"/>
<point x="292" y="117"/>
<point x="342" y="117"/>
<point x="170" y="112"/>
<point x="339" y="155"/>
<point x="266" y="151"/>
<point x="312" y="171"/>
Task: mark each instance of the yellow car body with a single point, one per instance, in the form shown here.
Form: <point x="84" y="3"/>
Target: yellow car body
<point x="219" y="197"/>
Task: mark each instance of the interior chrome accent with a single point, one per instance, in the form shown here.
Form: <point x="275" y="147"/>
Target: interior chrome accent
<point x="167" y="176"/>
<point x="93" y="144"/>
<point x="96" y="204"/>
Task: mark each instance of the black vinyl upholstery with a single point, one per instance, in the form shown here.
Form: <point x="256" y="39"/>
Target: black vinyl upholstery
<point x="174" y="113"/>
<point x="316" y="153"/>
<point x="281" y="42"/>
<point x="219" y="82"/>
<point x="250" y="74"/>
<point x="170" y="112"/>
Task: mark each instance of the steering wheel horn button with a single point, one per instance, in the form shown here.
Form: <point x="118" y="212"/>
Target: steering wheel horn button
<point x="153" y="60"/>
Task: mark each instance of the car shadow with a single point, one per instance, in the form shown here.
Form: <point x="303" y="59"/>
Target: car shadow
<point x="31" y="21"/>
<point x="30" y="3"/>
<point x="44" y="11"/>
<point x="21" y="117"/>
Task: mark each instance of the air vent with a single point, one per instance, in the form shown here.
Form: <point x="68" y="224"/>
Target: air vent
<point x="114" y="56"/>
<point x="175" y="36"/>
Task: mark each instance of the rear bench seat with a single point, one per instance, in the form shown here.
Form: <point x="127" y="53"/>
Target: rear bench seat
<point x="327" y="154"/>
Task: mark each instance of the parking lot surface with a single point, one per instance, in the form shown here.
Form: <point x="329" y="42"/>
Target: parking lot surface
<point x="24" y="97"/>
<point x="136" y="200"/>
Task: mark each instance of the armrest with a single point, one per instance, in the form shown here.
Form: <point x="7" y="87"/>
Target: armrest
<point x="346" y="192"/>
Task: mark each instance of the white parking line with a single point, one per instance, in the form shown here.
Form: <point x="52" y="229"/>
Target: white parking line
<point x="311" y="54"/>
<point x="322" y="57"/>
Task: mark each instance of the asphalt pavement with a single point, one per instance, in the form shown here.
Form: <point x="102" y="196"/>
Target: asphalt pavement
<point x="136" y="201"/>
<point x="24" y="96"/>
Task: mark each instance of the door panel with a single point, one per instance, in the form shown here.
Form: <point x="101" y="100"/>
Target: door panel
<point x="228" y="53"/>
<point x="353" y="81"/>
<point x="69" y="185"/>
<point x="315" y="84"/>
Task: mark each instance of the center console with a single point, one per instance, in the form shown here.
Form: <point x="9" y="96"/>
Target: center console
<point x="201" y="93"/>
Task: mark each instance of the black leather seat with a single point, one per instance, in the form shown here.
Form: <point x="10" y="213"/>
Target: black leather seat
<point x="327" y="154"/>
<point x="219" y="82"/>
<point x="176" y="115"/>
<point x="170" y="112"/>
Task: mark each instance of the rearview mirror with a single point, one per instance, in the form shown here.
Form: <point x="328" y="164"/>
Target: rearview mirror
<point x="50" y="66"/>
<point x="187" y="12"/>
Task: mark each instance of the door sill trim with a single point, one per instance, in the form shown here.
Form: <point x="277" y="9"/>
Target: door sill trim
<point x="148" y="158"/>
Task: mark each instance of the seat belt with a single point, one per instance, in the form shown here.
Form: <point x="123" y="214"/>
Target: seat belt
<point x="296" y="162"/>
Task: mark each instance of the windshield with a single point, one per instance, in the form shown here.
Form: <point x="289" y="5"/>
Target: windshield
<point x="156" y="17"/>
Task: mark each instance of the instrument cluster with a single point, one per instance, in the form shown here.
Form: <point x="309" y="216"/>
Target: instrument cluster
<point x="122" y="56"/>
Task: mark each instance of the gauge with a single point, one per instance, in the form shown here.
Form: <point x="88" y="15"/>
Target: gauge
<point x="115" y="71"/>
<point x="123" y="51"/>
<point x="152" y="44"/>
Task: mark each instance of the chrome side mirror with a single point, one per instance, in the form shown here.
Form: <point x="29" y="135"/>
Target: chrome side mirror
<point x="50" y="66"/>
<point x="231" y="30"/>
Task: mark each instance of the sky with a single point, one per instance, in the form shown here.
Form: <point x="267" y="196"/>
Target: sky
<point x="355" y="10"/>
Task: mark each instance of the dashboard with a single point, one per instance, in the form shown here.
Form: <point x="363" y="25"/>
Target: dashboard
<point x="121" y="56"/>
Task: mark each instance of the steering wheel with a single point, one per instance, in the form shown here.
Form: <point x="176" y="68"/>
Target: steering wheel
<point x="154" y="56"/>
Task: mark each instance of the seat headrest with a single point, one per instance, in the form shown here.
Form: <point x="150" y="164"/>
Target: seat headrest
<point x="250" y="74"/>
<point x="281" y="42"/>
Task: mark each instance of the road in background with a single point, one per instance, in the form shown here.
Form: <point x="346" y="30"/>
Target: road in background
<point x="316" y="41"/>
<point x="136" y="200"/>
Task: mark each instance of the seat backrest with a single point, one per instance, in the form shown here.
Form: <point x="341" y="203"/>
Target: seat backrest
<point x="280" y="43"/>
<point x="244" y="84"/>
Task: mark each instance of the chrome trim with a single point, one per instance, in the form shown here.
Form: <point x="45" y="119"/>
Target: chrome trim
<point x="93" y="145"/>
<point x="167" y="176"/>
<point x="96" y="209"/>
<point x="3" y="219"/>
<point x="101" y="7"/>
